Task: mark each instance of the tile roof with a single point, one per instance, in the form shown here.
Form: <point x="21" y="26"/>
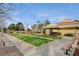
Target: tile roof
<point x="64" y="24"/>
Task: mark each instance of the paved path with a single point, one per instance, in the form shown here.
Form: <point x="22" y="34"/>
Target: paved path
<point x="76" y="52"/>
<point x="50" y="49"/>
<point x="25" y="48"/>
<point x="55" y="48"/>
<point x="59" y="44"/>
<point x="9" y="49"/>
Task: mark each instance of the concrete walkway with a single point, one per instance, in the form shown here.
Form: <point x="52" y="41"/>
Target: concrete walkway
<point x="9" y="49"/>
<point x="51" y="49"/>
<point x="55" y="48"/>
<point x="25" y="48"/>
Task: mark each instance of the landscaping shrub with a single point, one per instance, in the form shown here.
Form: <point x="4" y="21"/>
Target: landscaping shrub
<point x="56" y="33"/>
<point x="11" y="32"/>
<point x="69" y="34"/>
<point x="5" y="30"/>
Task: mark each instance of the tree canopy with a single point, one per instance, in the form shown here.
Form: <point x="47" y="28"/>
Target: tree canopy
<point x="12" y="27"/>
<point x="39" y="25"/>
<point x="46" y="22"/>
<point x="19" y="27"/>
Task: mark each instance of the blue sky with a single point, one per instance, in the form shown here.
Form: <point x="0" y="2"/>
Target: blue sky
<point x="31" y="13"/>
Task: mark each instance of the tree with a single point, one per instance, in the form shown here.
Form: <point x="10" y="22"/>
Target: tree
<point x="12" y="27"/>
<point x="39" y="26"/>
<point x="38" y="22"/>
<point x="4" y="16"/>
<point x="5" y="9"/>
<point x="36" y="27"/>
<point x="46" y="22"/>
<point x="76" y="20"/>
<point x="5" y="30"/>
<point x="33" y="27"/>
<point x="19" y="27"/>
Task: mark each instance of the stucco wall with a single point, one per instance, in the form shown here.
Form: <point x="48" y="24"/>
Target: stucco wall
<point x="47" y="31"/>
<point x="63" y="31"/>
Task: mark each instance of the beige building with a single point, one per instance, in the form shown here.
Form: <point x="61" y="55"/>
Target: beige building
<point x="64" y="27"/>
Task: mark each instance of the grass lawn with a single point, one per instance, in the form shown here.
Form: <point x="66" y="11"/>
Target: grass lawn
<point x="48" y="36"/>
<point x="36" y="41"/>
<point x="51" y="37"/>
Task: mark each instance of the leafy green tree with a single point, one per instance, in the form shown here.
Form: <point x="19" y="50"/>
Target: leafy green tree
<point x="5" y="30"/>
<point x="19" y="27"/>
<point x="12" y="27"/>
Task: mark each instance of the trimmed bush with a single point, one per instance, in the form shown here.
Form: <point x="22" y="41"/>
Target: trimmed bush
<point x="69" y="34"/>
<point x="56" y="33"/>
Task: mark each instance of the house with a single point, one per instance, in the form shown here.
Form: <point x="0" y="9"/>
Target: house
<point x="64" y="27"/>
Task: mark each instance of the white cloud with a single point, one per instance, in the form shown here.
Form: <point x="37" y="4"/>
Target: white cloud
<point x="16" y="19"/>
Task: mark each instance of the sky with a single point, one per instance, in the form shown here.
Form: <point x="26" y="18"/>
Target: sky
<point x="30" y="13"/>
